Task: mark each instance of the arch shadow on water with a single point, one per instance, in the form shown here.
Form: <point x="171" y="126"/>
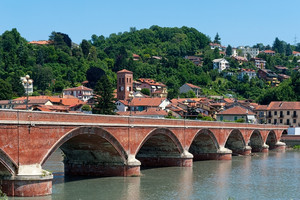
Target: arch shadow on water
<point x="271" y="140"/>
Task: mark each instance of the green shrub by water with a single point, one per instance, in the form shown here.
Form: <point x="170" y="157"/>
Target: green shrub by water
<point x="296" y="147"/>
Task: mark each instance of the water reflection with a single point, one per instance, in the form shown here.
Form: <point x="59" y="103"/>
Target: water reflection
<point x="262" y="176"/>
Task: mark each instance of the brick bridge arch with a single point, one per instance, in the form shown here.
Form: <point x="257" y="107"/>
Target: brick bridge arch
<point x="160" y="148"/>
<point x="89" y="150"/>
<point x="204" y="145"/>
<point x="235" y="141"/>
<point x="256" y="141"/>
<point x="271" y="139"/>
<point x="7" y="166"/>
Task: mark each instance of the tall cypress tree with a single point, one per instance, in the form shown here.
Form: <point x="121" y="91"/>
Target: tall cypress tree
<point x="105" y="102"/>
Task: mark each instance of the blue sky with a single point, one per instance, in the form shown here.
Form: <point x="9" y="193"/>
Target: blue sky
<point x="238" y="22"/>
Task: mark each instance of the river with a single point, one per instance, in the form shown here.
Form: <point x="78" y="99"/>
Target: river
<point x="262" y="176"/>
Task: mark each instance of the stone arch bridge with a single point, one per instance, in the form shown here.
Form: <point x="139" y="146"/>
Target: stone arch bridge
<point x="99" y="145"/>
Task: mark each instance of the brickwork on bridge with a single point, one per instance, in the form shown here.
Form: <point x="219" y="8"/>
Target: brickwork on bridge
<point x="116" y="145"/>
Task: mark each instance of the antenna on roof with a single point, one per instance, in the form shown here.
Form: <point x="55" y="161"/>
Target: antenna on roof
<point x="295" y="40"/>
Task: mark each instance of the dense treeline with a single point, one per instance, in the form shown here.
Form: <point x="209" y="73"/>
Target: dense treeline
<point x="63" y="64"/>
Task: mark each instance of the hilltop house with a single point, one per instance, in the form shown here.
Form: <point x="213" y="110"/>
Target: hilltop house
<point x="220" y="64"/>
<point x="259" y="63"/>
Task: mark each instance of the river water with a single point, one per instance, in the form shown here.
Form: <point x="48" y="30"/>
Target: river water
<point x="262" y="176"/>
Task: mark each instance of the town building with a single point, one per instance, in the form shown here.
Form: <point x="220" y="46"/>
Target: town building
<point x="124" y="84"/>
<point x="41" y="42"/>
<point x="241" y="60"/>
<point x="236" y="113"/>
<point x="250" y="72"/>
<point x="140" y="104"/>
<point x="188" y="86"/>
<point x="259" y="63"/>
<point x="296" y="53"/>
<point x="195" y="59"/>
<point x="216" y="45"/>
<point x="268" y="76"/>
<point x="81" y="92"/>
<point x="269" y="52"/>
<point x="253" y="52"/>
<point x="279" y="112"/>
<point x="156" y="89"/>
<point x="220" y="64"/>
<point x="150" y="112"/>
<point x="282" y="77"/>
<point x="281" y="69"/>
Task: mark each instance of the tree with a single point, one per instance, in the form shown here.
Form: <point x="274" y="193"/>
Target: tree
<point x="105" y="102"/>
<point x="145" y="91"/>
<point x="5" y="90"/>
<point x="278" y="46"/>
<point x="228" y="50"/>
<point x="217" y="39"/>
<point x="85" y="46"/>
<point x="93" y="75"/>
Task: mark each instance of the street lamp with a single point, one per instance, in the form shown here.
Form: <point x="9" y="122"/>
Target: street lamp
<point x="130" y="97"/>
<point x="27" y="81"/>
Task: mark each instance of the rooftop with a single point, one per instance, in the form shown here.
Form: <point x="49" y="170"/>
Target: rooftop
<point x="237" y="110"/>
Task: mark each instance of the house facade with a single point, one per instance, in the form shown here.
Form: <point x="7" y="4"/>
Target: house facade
<point x="188" y="86"/>
<point x="236" y="113"/>
<point x="156" y="89"/>
<point x="259" y="63"/>
<point x="250" y="72"/>
<point x="81" y="92"/>
<point x="279" y="112"/>
<point x="220" y="64"/>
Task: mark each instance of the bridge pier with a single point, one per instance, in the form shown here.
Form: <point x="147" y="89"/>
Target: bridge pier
<point x="247" y="151"/>
<point x="222" y="154"/>
<point x="280" y="146"/>
<point x="184" y="160"/>
<point x="130" y="168"/>
<point x="265" y="148"/>
<point x="31" y="181"/>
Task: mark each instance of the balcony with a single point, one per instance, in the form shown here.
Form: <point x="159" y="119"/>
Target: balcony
<point x="269" y="116"/>
<point x="281" y="116"/>
<point x="294" y="115"/>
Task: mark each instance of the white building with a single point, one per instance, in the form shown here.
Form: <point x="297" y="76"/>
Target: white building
<point x="253" y="52"/>
<point x="250" y="72"/>
<point x="81" y="92"/>
<point x="220" y="64"/>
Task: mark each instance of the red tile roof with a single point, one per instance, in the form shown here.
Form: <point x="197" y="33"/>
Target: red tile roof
<point x="284" y="105"/>
<point x="42" y="42"/>
<point x="237" y="110"/>
<point x="148" y="102"/>
<point x="269" y="51"/>
<point x="261" y="107"/>
<point x="151" y="82"/>
<point x="296" y="52"/>
<point x="79" y="88"/>
<point x="193" y="86"/>
<point x="124" y="71"/>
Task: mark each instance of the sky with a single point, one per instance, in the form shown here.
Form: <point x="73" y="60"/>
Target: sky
<point x="238" y="22"/>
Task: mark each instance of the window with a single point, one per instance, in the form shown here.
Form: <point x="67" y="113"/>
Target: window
<point x="275" y="112"/>
<point x="280" y="121"/>
<point x="119" y="80"/>
<point x="130" y="80"/>
<point x="294" y="121"/>
<point x="129" y="88"/>
<point x="288" y="112"/>
<point x="221" y="118"/>
<point x="275" y="121"/>
<point x="122" y="80"/>
<point x="269" y="121"/>
<point x="127" y="80"/>
<point x="288" y="122"/>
